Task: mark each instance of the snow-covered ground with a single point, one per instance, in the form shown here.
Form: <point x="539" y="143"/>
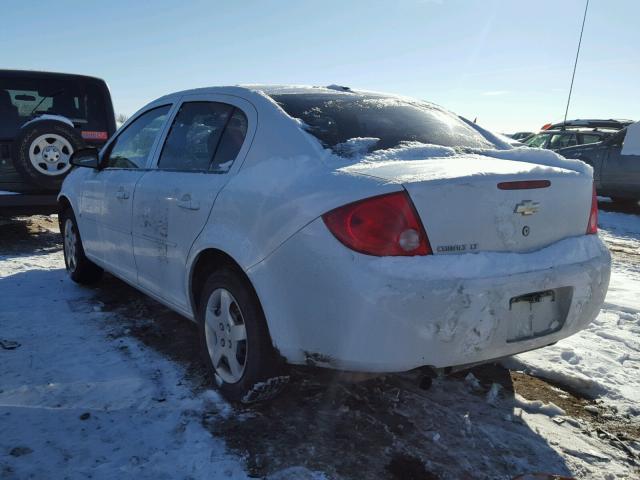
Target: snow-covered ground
<point x="81" y="395"/>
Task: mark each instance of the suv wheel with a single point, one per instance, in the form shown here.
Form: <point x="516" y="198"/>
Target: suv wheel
<point x="43" y="152"/>
<point x="235" y="341"/>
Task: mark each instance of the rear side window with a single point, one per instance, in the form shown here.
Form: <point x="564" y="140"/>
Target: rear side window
<point x="590" y="138"/>
<point x="205" y="136"/>
<point x="132" y="147"/>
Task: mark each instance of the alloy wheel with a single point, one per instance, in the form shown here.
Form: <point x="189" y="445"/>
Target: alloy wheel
<point x="70" y="240"/>
<point x="226" y="336"/>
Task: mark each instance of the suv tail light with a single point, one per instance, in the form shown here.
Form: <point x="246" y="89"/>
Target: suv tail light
<point x="592" y="226"/>
<point x="94" y="136"/>
<point x="387" y="225"/>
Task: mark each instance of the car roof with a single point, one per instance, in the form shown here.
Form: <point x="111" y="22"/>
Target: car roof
<point x="41" y="74"/>
<point x="271" y="89"/>
<point x="611" y="123"/>
<point x="556" y="130"/>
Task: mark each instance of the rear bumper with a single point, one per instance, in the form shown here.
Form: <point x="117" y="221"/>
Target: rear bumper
<point x="331" y="307"/>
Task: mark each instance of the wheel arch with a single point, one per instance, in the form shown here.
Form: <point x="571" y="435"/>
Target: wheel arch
<point x="63" y="204"/>
<point x="207" y="261"/>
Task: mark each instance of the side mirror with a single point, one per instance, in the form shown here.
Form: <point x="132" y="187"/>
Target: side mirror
<point x="86" y="157"/>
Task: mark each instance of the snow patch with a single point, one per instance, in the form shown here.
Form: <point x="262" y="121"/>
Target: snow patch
<point x="537" y="406"/>
<point x="631" y="143"/>
<point x="539" y="156"/>
<point x="357" y="146"/>
<point x="492" y="264"/>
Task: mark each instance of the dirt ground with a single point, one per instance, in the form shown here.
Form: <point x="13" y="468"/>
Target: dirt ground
<point x="380" y="428"/>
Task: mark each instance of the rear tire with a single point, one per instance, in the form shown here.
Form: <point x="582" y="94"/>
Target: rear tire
<point x="80" y="268"/>
<point x="43" y="152"/>
<point x="235" y="341"/>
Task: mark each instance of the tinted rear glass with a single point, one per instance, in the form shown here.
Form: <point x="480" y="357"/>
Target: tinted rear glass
<point x="80" y="100"/>
<point x="336" y="118"/>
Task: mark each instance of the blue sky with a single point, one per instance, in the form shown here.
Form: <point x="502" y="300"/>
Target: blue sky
<point x="506" y="62"/>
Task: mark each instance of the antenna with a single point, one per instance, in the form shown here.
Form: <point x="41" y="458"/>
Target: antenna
<point x="586" y="7"/>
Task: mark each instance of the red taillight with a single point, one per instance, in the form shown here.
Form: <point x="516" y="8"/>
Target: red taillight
<point x="592" y="226"/>
<point x="381" y="226"/>
<point x="546" y="126"/>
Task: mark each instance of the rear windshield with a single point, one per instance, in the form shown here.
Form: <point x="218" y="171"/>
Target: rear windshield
<point x="336" y="118"/>
<point x="80" y="100"/>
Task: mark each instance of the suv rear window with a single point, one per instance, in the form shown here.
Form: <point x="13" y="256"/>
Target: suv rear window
<point x="80" y="100"/>
<point x="336" y="118"/>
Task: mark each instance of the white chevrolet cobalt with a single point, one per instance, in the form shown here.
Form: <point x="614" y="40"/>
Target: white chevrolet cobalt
<point x="344" y="229"/>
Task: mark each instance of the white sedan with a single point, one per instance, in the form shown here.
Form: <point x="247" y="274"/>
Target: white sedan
<point x="344" y="229"/>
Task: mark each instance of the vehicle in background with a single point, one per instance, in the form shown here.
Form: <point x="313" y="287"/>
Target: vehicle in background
<point x="336" y="228"/>
<point x="616" y="163"/>
<point x="555" y="136"/>
<point x="520" y="136"/>
<point x="44" y="118"/>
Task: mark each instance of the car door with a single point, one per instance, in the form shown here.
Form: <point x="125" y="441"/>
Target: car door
<point x="174" y="199"/>
<point x="621" y="171"/>
<point x="107" y="198"/>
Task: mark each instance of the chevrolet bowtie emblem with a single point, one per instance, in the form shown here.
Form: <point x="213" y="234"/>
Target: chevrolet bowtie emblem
<point x="527" y="207"/>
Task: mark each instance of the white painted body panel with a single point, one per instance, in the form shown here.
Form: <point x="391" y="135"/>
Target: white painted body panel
<point x="322" y="300"/>
<point x="332" y="307"/>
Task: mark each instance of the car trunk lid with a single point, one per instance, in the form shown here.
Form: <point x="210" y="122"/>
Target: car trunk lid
<point x="472" y="203"/>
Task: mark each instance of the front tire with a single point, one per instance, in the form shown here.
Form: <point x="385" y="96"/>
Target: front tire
<point x="80" y="268"/>
<point x="235" y="340"/>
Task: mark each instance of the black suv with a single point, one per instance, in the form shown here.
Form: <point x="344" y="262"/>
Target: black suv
<point x="575" y="132"/>
<point x="44" y="117"/>
<point x="616" y="169"/>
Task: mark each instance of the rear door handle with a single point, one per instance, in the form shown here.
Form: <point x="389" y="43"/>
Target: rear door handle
<point x="122" y="194"/>
<point x="188" y="203"/>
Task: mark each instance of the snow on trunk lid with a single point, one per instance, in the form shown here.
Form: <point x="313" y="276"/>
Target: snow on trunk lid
<point x="463" y="210"/>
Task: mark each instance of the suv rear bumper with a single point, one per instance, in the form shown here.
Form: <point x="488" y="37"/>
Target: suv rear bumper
<point x="28" y="204"/>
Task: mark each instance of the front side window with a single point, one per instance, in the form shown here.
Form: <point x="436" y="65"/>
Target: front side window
<point x="205" y="136"/>
<point x="132" y="147"/>
<point x="538" y="141"/>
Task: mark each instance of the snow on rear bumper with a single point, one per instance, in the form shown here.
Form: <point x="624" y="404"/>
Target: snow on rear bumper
<point x="329" y="306"/>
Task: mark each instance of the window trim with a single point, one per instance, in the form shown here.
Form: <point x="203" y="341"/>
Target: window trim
<point x="106" y="150"/>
